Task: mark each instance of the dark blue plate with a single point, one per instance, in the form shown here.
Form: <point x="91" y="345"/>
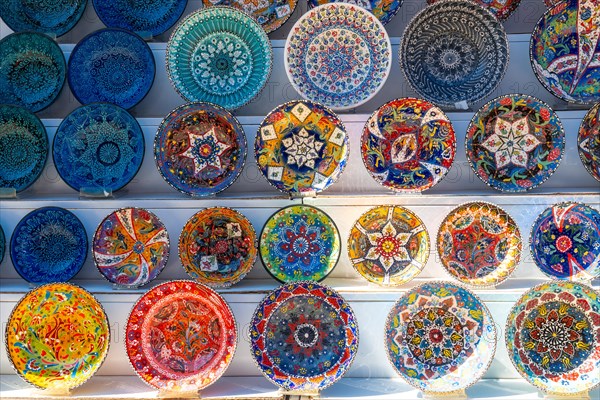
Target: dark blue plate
<point x="44" y="16"/>
<point x="2" y="244"/>
<point x="111" y="65"/>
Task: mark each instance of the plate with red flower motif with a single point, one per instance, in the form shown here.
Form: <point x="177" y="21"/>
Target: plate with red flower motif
<point x="588" y="141"/>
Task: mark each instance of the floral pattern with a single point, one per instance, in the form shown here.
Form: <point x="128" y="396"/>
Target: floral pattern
<point x="588" y="141"/>
<point x="55" y="17"/>
<point x="384" y="10"/>
<point x="502" y="9"/>
<point x="271" y="14"/>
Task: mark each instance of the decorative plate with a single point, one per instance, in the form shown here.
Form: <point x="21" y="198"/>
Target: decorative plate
<point x="303" y="336"/>
<point x="131" y="247"/>
<point x="408" y="145"/>
<point x="565" y="241"/>
<point x="553" y="337"/>
<point x="299" y="242"/>
<point x="388" y="245"/>
<point x="565" y="51"/>
<point x="338" y="54"/>
<point x="200" y="149"/>
<point x="588" y="141"/>
<point x="384" y="10"/>
<point x="48" y="245"/>
<point x="502" y="9"/>
<point x="111" y="65"/>
<point x="147" y="18"/>
<point x="180" y="336"/>
<point x="221" y="55"/>
<point x="43" y="16"/>
<point x="301" y="147"/>
<point x="440" y="337"/>
<point x="271" y="14"/>
<point x="99" y="146"/>
<point x="450" y="62"/>
<point x="479" y="244"/>
<point x="515" y="143"/>
<point x="57" y="336"/>
<point x="32" y="70"/>
<point x="2" y="244"/>
<point x="23" y="147"/>
<point x="217" y="246"/>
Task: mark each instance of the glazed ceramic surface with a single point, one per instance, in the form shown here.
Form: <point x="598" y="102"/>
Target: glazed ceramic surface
<point x="221" y="55"/>
<point x="338" y="54"/>
<point x="384" y="10"/>
<point x="588" y="141"/>
<point x="303" y="336"/>
<point x="408" y="145"/>
<point x="502" y="9"/>
<point x="218" y="246"/>
<point x="440" y="337"/>
<point x="2" y="244"/>
<point x="48" y="245"/>
<point x="99" y="146"/>
<point x="299" y="242"/>
<point x="553" y="337"/>
<point x="271" y="14"/>
<point x="52" y="17"/>
<point x="57" y="336"/>
<point x="200" y="149"/>
<point x="301" y="147"/>
<point x="32" y="70"/>
<point x="180" y="336"/>
<point x="388" y="245"/>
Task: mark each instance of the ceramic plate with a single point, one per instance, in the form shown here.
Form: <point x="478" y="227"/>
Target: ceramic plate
<point x="553" y="337"/>
<point x="408" y="145"/>
<point x="301" y="147"/>
<point x="147" y="18"/>
<point x="32" y="70"/>
<point x="271" y="14"/>
<point x="48" y="245"/>
<point x="111" y="65"/>
<point x="588" y="141"/>
<point x="384" y="10"/>
<point x="299" y="242"/>
<point x="23" y="147"/>
<point x="565" y="241"/>
<point x="200" y="149"/>
<point x="479" y="244"/>
<point x="220" y="55"/>
<point x="450" y="62"/>
<point x="2" y="244"/>
<point x="51" y="17"/>
<point x="565" y="51"/>
<point x="440" y="337"/>
<point x="303" y="336"/>
<point x="217" y="246"/>
<point x="502" y="9"/>
<point x="388" y="245"/>
<point x="515" y="143"/>
<point x="180" y="336"/>
<point x="98" y="147"/>
<point x="338" y="54"/>
<point x="131" y="247"/>
<point x="57" y="336"/>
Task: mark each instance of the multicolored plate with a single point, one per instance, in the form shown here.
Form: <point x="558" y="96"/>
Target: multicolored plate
<point x="338" y="54"/>
<point x="217" y="246"/>
<point x="565" y="51"/>
<point x="299" y="242"/>
<point x="553" y="337"/>
<point x="200" y="149"/>
<point x="32" y="70"/>
<point x="99" y="146"/>
<point x="388" y="245"/>
<point x="303" y="336"/>
<point x="515" y="143"/>
<point x="48" y="245"/>
<point x="502" y="9"/>
<point x="301" y="147"/>
<point x="23" y="147"/>
<point x="271" y="14"/>
<point x="450" y="62"/>
<point x="588" y="141"/>
<point x="221" y="55"/>
<point x="565" y="241"/>
<point x="52" y="17"/>
<point x="57" y="336"/>
<point x="479" y="244"/>
<point x="180" y="336"/>
<point x="408" y="145"/>
<point x="111" y="65"/>
<point x="440" y="337"/>
<point x="131" y="247"/>
<point x="384" y="10"/>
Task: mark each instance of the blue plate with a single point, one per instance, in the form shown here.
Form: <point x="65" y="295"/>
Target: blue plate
<point x="32" y="70"/>
<point x="48" y="245"/>
<point x="111" y="65"/>
<point x="147" y="18"/>
<point x="99" y="146"/>
<point x="44" y="16"/>
<point x="23" y="147"/>
<point x="2" y="244"/>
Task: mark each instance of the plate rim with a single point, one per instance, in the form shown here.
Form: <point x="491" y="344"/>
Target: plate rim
<point x="595" y="109"/>
<point x="311" y="5"/>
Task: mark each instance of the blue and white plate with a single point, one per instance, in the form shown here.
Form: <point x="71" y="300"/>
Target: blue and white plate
<point x="53" y="17"/>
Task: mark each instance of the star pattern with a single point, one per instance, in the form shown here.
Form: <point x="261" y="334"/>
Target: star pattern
<point x="388" y="246"/>
<point x="205" y="150"/>
<point x="511" y="142"/>
<point x="302" y="149"/>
